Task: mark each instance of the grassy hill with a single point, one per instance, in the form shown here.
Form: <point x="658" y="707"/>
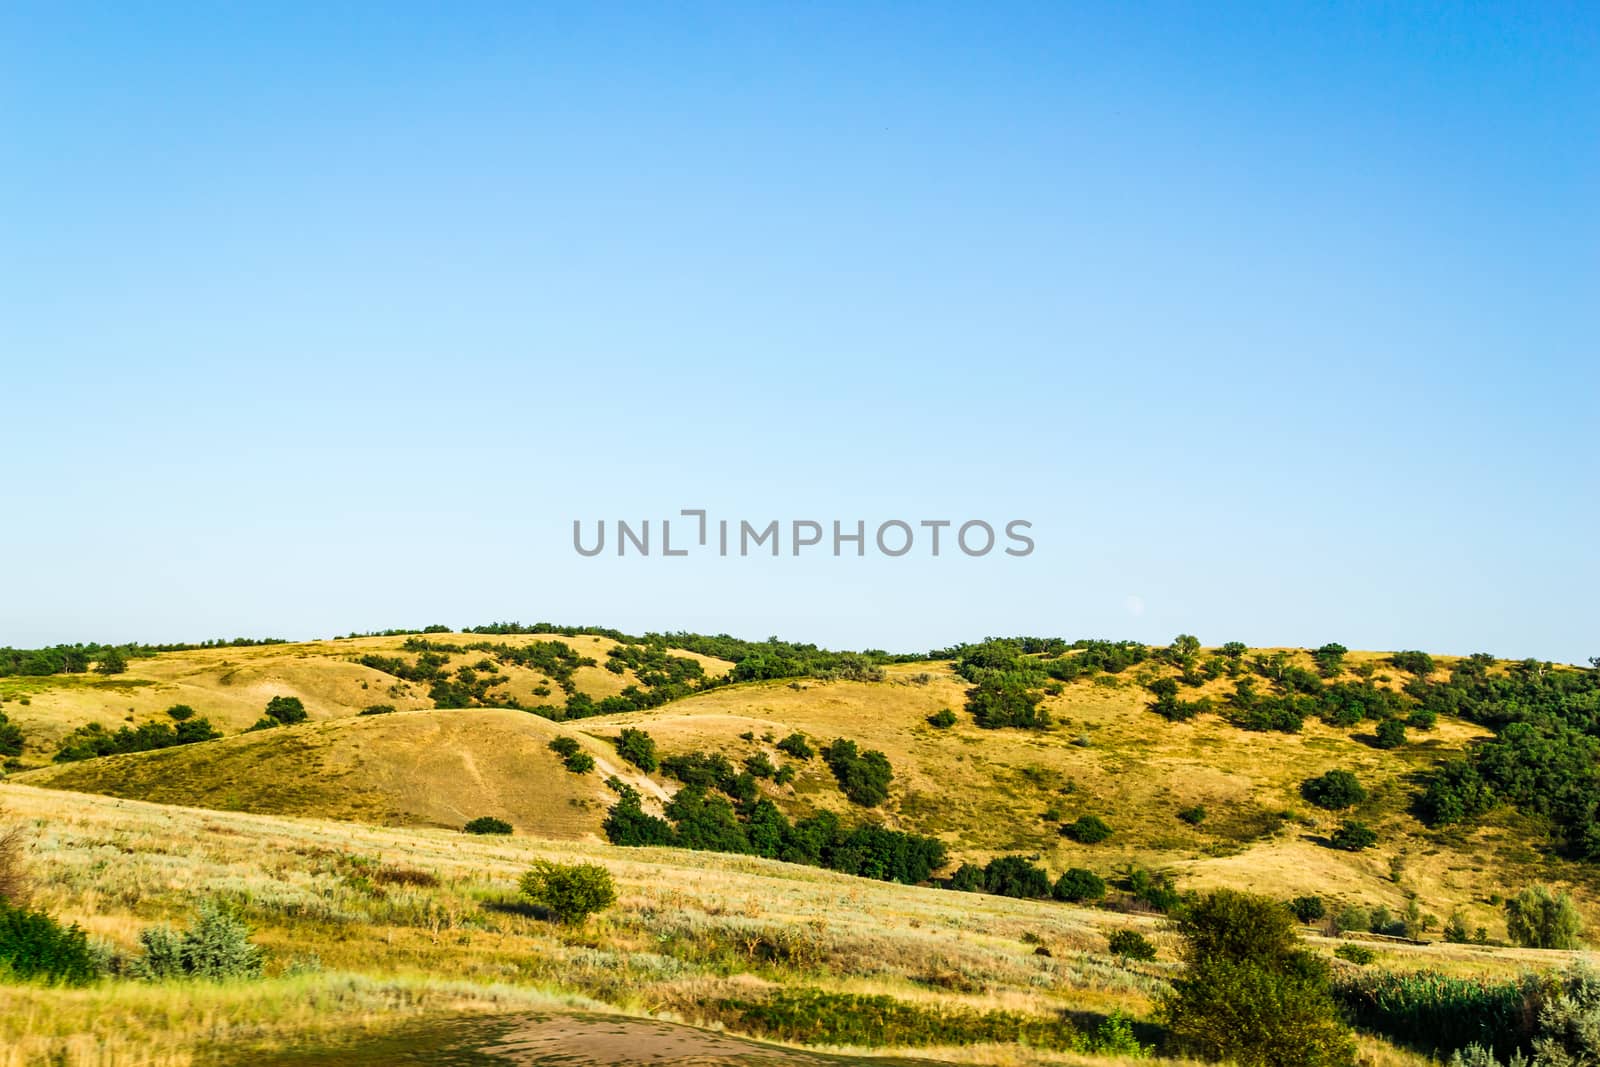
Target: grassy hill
<point x="407" y="769"/>
<point x="342" y="831"/>
<point x="983" y="792"/>
<point x="413" y="924"/>
<point x="231" y="685"/>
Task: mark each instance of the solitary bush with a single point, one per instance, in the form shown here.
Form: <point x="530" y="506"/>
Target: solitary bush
<point x="1087" y="830"/>
<point x="1193" y="816"/>
<point x="1540" y="918"/>
<point x="487" y="824"/>
<point x="1078" y="885"/>
<point x="1359" y="955"/>
<point x="33" y="945"/>
<point x="286" y="710"/>
<point x="944" y="718"/>
<point x="377" y="709"/>
<point x="1353" y="837"/>
<point x="1130" y="945"/>
<point x="1308" y="909"/>
<point x="216" y="946"/>
<point x="1334" y="790"/>
<point x="795" y="745"/>
<point x="571" y="892"/>
<point x="1391" y="733"/>
<point x="638" y="748"/>
<point x="180" y="712"/>
<point x="1249" y="992"/>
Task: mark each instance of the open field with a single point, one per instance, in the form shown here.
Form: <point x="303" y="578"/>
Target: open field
<point x="691" y="932"/>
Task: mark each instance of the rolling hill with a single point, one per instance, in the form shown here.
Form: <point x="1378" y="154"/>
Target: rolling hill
<point x="983" y="792"/>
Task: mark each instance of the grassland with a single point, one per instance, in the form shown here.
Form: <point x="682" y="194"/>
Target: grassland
<point x="691" y="932"/>
<point x="337" y="838"/>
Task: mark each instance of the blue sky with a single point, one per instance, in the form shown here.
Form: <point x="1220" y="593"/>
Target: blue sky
<point x="1279" y="326"/>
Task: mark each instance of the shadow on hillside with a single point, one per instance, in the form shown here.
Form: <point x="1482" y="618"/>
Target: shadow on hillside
<point x="513" y="906"/>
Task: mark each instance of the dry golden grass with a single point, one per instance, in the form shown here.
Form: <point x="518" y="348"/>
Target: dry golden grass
<point x="689" y="928"/>
<point x="984" y="792"/>
<point x="407" y="768"/>
<point x="231" y="686"/>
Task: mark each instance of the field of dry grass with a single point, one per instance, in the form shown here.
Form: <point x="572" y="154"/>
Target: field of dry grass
<point x="367" y="927"/>
<point x="231" y="686"/>
<point x="984" y="792"/>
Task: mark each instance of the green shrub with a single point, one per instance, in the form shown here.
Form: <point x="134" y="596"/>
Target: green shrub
<point x="570" y="892"/>
<point x="1359" y="955"/>
<point x="35" y="946"/>
<point x="572" y="754"/>
<point x="795" y="745"/>
<point x="968" y="878"/>
<point x="377" y="709"/>
<point x="942" y="719"/>
<point x="10" y="737"/>
<point x="180" y="712"/>
<point x="1308" y="909"/>
<point x="216" y="946"/>
<point x="1540" y="918"/>
<point x="1353" y="836"/>
<point x="760" y="766"/>
<point x="1391" y="733"/>
<point x="784" y="775"/>
<point x="1078" y="885"/>
<point x="863" y="776"/>
<point x="487" y="824"/>
<point x="1130" y="945"/>
<point x="1334" y="790"/>
<point x="1193" y="816"/>
<point x="1001" y="700"/>
<point x="1013" y="876"/>
<point x="638" y="748"/>
<point x="1087" y="830"/>
<point x="1249" y="992"/>
<point x="286" y="710"/>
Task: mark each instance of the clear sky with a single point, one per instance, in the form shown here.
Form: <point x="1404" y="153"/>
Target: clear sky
<point x="1279" y="323"/>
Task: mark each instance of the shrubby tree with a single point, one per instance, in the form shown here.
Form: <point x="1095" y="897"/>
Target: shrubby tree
<point x="487" y="824"/>
<point x="1249" y="993"/>
<point x="1333" y="790"/>
<point x="863" y="776"/>
<point x="968" y="878"/>
<point x="1353" y="836"/>
<point x="1538" y="917"/>
<point x="1391" y="733"/>
<point x="1004" y="699"/>
<point x="216" y="946"/>
<point x="796" y="745"/>
<point x="1014" y="876"/>
<point x="286" y="710"/>
<point x="1087" y="830"/>
<point x="1078" y="885"/>
<point x="10" y="737"/>
<point x="638" y="748"/>
<point x="570" y="892"/>
<point x="1130" y="945"/>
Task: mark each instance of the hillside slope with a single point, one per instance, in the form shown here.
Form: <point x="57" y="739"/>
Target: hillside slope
<point x="408" y="768"/>
<point x="231" y="685"/>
